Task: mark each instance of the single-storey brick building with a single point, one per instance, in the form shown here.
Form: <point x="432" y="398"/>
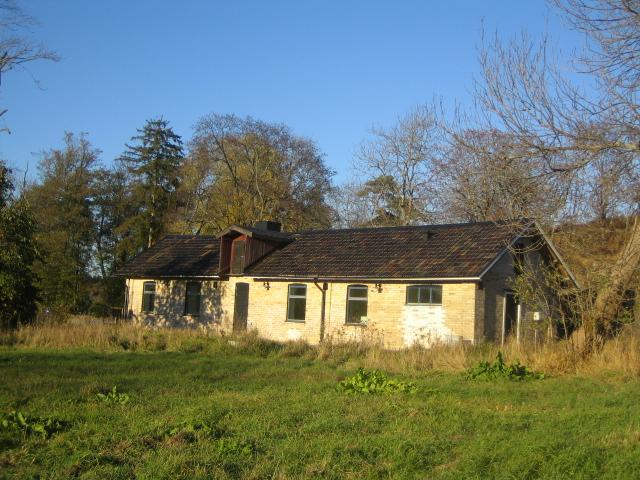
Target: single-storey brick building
<point x="400" y="285"/>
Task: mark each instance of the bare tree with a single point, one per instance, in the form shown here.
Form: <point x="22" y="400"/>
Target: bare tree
<point x="350" y="208"/>
<point x="398" y="163"/>
<point x="610" y="188"/>
<point x="483" y="176"/>
<point x="568" y="126"/>
<point x="16" y="49"/>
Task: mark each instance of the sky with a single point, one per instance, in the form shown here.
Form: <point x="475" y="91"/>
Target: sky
<point x="328" y="69"/>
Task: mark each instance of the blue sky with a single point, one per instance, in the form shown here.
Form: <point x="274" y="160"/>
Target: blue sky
<point x="328" y="69"/>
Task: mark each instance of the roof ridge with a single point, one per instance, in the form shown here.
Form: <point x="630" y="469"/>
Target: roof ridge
<point x="185" y="235"/>
<point x="415" y="227"/>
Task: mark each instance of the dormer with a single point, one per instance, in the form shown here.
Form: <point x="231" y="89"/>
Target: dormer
<point x="241" y="247"/>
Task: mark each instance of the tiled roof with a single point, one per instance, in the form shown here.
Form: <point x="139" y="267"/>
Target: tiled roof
<point x="416" y="252"/>
<point x="176" y="256"/>
<point x="432" y="251"/>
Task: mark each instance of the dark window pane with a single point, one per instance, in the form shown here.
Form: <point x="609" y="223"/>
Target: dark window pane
<point x="424" y="294"/>
<point x="413" y="294"/>
<point x="148" y="296"/>
<point x="356" y="310"/>
<point x="297" y="308"/>
<point x="298" y="290"/>
<point x="358" y="292"/>
<point x="192" y="299"/>
<point x="436" y="294"/>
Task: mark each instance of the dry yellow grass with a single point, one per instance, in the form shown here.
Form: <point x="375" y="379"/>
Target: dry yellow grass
<point x="91" y="333"/>
<point x="619" y="355"/>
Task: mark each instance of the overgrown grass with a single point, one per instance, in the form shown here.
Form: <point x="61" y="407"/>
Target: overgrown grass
<point x="241" y="415"/>
<point x="621" y="355"/>
<point x="210" y="407"/>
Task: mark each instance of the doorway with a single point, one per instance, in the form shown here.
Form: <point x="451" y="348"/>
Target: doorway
<point x="241" y="308"/>
<point x="511" y="317"/>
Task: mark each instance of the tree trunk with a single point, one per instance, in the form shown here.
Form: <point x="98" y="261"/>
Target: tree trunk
<point x="599" y="322"/>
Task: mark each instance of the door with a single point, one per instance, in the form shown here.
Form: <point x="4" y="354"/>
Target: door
<point x="237" y="257"/>
<point x="241" y="307"/>
<point x="511" y="316"/>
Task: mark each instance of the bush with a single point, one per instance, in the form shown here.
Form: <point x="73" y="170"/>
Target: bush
<point x="52" y="315"/>
<point x="31" y="424"/>
<point x="99" y="310"/>
<point x="374" y="382"/>
<point x="499" y="369"/>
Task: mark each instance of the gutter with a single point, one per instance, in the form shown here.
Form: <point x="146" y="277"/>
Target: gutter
<point x="168" y="277"/>
<point x="257" y="278"/>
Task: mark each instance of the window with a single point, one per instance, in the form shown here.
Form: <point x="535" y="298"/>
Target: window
<point x="356" y="303"/>
<point x="297" y="304"/>
<point x="424" y="295"/>
<point x="148" y="296"/>
<point x="192" y="299"/>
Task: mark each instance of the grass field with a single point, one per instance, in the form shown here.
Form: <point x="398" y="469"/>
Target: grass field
<point x="237" y="414"/>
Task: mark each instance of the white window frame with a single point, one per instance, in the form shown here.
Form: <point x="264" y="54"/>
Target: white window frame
<point x="290" y="296"/>
<point x="364" y="299"/>
<point x="430" y="287"/>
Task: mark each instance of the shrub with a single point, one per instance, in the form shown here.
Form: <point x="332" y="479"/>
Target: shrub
<point x="499" y="369"/>
<point x="113" y="397"/>
<point x="374" y="382"/>
<point x="100" y="310"/>
<point x="31" y="424"/>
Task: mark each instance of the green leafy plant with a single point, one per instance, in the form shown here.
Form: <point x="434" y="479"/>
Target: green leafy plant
<point x="374" y="382"/>
<point x="223" y="442"/>
<point x="234" y="446"/>
<point x="30" y="424"/>
<point x="193" y="430"/>
<point x="499" y="369"/>
<point x="113" y="397"/>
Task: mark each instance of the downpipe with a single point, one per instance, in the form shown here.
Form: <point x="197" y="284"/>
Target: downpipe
<point x="323" y="288"/>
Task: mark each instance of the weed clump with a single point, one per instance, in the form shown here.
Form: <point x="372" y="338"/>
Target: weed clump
<point x="374" y="382"/>
<point x="223" y="442"/>
<point x="113" y="397"/>
<point x="499" y="369"/>
<point x="18" y="422"/>
<point x="155" y="342"/>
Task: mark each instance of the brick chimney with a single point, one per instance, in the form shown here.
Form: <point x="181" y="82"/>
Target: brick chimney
<point x="269" y="225"/>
